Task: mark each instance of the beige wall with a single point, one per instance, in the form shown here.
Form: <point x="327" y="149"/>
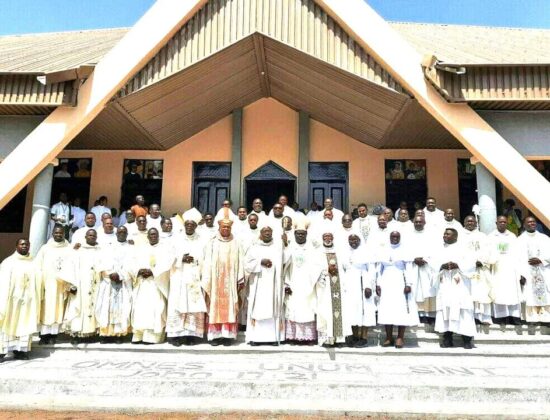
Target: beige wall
<point x="270" y="132"/>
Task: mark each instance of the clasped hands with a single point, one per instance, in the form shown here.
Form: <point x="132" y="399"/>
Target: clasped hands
<point x="368" y="292"/>
<point x="449" y="266"/>
<point x="145" y="273"/>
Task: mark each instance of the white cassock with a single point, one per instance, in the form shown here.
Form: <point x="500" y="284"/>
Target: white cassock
<point x="170" y="240"/>
<point x="131" y="228"/>
<point x="206" y="232"/>
<point x="378" y="240"/>
<point x="537" y="286"/>
<point x="99" y="211"/>
<point x="455" y="306"/>
<point x="79" y="235"/>
<point x="50" y="260"/>
<point x="505" y="268"/>
<point x="248" y="237"/>
<point x="83" y="270"/>
<point x="359" y="310"/>
<point x="393" y="273"/>
<point x="239" y="226"/>
<point x="342" y="234"/>
<point x="287" y="211"/>
<point x="153" y="222"/>
<point x="453" y="224"/>
<point x="433" y="218"/>
<point x="114" y="300"/>
<point x="332" y="323"/>
<point x="336" y="215"/>
<point x="139" y="237"/>
<point x="312" y="214"/>
<point x="476" y="243"/>
<point x="186" y="301"/>
<point x="421" y="245"/>
<point x="404" y="228"/>
<point x="19" y="303"/>
<point x="150" y="294"/>
<point x="261" y="216"/>
<point x="265" y="321"/>
<point x="276" y="224"/>
<point x="302" y="271"/>
<point x="363" y="226"/>
<point x="106" y="240"/>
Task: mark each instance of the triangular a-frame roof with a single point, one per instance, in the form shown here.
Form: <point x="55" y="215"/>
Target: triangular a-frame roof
<point x="270" y="171"/>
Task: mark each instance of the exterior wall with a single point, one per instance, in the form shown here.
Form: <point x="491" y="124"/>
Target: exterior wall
<point x="212" y="144"/>
<point x="366" y="166"/>
<point x="527" y="131"/>
<point x="270" y="132"/>
<point x="13" y="129"/>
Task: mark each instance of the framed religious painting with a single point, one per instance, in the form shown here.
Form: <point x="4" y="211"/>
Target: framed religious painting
<point x="72" y="176"/>
<point x="406" y="181"/>
<point x="141" y="176"/>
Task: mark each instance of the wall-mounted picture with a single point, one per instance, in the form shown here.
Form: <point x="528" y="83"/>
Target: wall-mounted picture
<point x="466" y="169"/>
<point x="399" y="169"/>
<point x="137" y="169"/>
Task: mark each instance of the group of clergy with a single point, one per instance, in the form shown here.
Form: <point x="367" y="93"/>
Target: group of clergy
<point x="283" y="277"/>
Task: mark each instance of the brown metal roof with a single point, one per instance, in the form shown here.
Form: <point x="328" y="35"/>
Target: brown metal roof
<point x="16" y="89"/>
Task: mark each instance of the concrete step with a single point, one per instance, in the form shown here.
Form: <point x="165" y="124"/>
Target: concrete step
<point x="320" y="381"/>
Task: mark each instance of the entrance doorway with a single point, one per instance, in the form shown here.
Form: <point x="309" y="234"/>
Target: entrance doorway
<point x="268" y="182"/>
<point x="210" y="185"/>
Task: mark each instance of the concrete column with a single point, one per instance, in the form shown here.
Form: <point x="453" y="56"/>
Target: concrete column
<point x="303" y="160"/>
<point x="236" y="158"/>
<point x="41" y="208"/>
<point x="486" y="196"/>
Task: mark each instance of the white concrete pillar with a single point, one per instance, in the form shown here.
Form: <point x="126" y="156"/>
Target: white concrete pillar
<point x="486" y="196"/>
<point x="41" y="208"/>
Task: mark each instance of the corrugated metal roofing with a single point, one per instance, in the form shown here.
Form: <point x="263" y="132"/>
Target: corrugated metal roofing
<point x="47" y="52"/>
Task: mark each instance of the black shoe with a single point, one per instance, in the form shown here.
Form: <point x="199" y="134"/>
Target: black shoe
<point x="361" y="343"/>
<point x="447" y="340"/>
<point x="52" y="339"/>
<point x="227" y="342"/>
<point x="175" y="341"/>
<point x="104" y="340"/>
<point x="75" y="341"/>
<point x="2" y="356"/>
<point x="216" y="342"/>
<point x="119" y="340"/>
<point x="44" y="340"/>
<point x="193" y="341"/>
<point x="467" y="342"/>
<point x="254" y="344"/>
<point x="21" y="355"/>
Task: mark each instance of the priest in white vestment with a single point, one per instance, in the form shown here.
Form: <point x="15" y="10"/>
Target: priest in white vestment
<point x="477" y="244"/>
<point x="264" y="267"/>
<point x="333" y="326"/>
<point x="434" y="217"/>
<point x="140" y="235"/>
<point x="303" y="269"/>
<point x="222" y="276"/>
<point x="397" y="305"/>
<point x="258" y="210"/>
<point x="455" y="306"/>
<point x="207" y="230"/>
<point x="79" y="234"/>
<point x="186" y="301"/>
<point x="421" y="243"/>
<point x="106" y="236"/>
<point x="114" y="297"/>
<point x="506" y="273"/>
<point x="50" y="260"/>
<point x="152" y="265"/>
<point x="19" y="302"/>
<point x="343" y="229"/>
<point x="83" y="272"/>
<point x="358" y="289"/>
<point x="286" y="209"/>
<point x="154" y="218"/>
<point x="363" y="224"/>
<point x="534" y="254"/>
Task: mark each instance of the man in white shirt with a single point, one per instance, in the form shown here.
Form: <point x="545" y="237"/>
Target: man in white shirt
<point x="154" y="217"/>
<point x="258" y="210"/>
<point x="60" y="213"/>
<point x="78" y="215"/>
<point x="329" y="205"/>
<point x="99" y="209"/>
<point x="287" y="210"/>
<point x="79" y="235"/>
<point x="432" y="214"/>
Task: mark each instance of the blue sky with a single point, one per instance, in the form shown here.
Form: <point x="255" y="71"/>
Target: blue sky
<point x="27" y="16"/>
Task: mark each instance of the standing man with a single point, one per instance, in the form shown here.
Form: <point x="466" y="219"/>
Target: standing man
<point x="208" y="230"/>
<point x="83" y="272"/>
<point x="434" y="216"/>
<point x="241" y="222"/>
<point x="152" y="278"/>
<point x="139" y="209"/>
<point x="332" y="326"/>
<point x="449" y="222"/>
<point x="50" y="260"/>
<point x="78" y="215"/>
<point x="19" y="302"/>
<point x="329" y="205"/>
<point x="455" y="307"/>
<point x="362" y="225"/>
<point x="106" y="236"/>
<point x="186" y="301"/>
<point x="100" y="209"/>
<point x="264" y="264"/>
<point x="114" y="298"/>
<point x="394" y="286"/>
<point x="222" y="275"/>
<point x="287" y="210"/>
<point x="258" y="210"/>
<point x="154" y="218"/>
<point x="476" y="243"/>
<point x="313" y="210"/>
<point x="79" y="235"/>
<point x="534" y="254"/>
<point x="421" y="242"/>
<point x="60" y="213"/>
<point x="505" y="267"/>
<point x="302" y="271"/>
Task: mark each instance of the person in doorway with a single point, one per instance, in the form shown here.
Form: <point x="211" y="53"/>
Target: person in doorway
<point x="139" y="208"/>
<point x="60" y="213"/>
